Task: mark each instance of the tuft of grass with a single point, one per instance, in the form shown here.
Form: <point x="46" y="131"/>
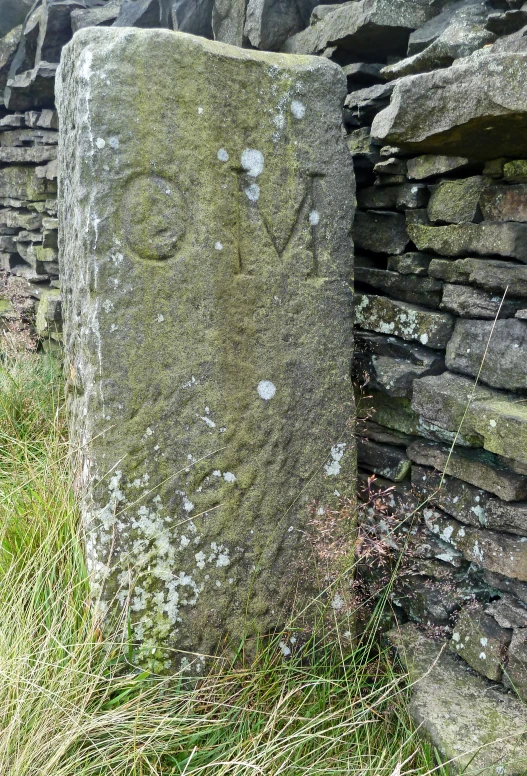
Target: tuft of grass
<point x="71" y="704"/>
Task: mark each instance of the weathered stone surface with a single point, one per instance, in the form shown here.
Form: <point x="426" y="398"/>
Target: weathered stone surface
<point x="381" y="231"/>
<point x="363" y="73"/>
<point x="477" y="467"/>
<point x="369" y="430"/>
<point x="516" y="672"/>
<point x="144" y="13"/>
<point x="498" y="552"/>
<point x="49" y="314"/>
<point x="205" y="287"/>
<point x="475" y="107"/>
<point x="508" y="22"/>
<point x="501" y="239"/>
<point x="103" y="15"/>
<point x="269" y="23"/>
<point x="35" y="155"/>
<point x="228" y="18"/>
<point x="390" y="166"/>
<point x="516" y="172"/>
<point x="503" y="516"/>
<point x="494" y="167"/>
<point x="454" y="202"/>
<point x="403" y="197"/>
<point x="429" y="165"/>
<point x="362" y="149"/>
<point x="496" y="276"/>
<point x="409" y="288"/>
<point x="461" y="500"/>
<point x="463" y="714"/>
<point x="32" y="88"/>
<point x="481" y="642"/>
<point x="13" y="13"/>
<point x="410" y="263"/>
<point x="193" y="16"/>
<point x="392" y="364"/>
<point x="22" y="183"/>
<point x="364" y="27"/>
<point x="468" y="302"/>
<point x="361" y="106"/>
<point x="497" y="419"/>
<point x="463" y="34"/>
<point x="504" y="353"/>
<point x="384" y="460"/>
<point x="508" y="612"/>
<point x="435" y="27"/>
<point x="8" y="48"/>
<point x="412" y="323"/>
<point x="504" y="203"/>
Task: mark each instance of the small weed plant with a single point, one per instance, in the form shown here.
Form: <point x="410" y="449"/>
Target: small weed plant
<point x="71" y="703"/>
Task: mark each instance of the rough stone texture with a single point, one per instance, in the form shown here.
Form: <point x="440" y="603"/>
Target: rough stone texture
<point x="505" y="203"/>
<point x="392" y="364"/>
<point x="516" y="672"/>
<point x="498" y="276"/>
<point x="451" y="110"/>
<point x="364" y="27"/>
<point x="494" y="419"/>
<point x="412" y="323"/>
<point x="144" y="13"/>
<point x="193" y="16"/>
<point x="408" y="288"/>
<point x="468" y="302"/>
<point x="362" y="105"/>
<point x="384" y="460"/>
<point x="207" y="325"/>
<point x="13" y="13"/>
<point x="454" y="202"/>
<point x="402" y="197"/>
<point x="502" y="344"/>
<point x="515" y="172"/>
<point x="481" y="642"/>
<point x="429" y="165"/>
<point x="508" y="612"/>
<point x="501" y="239"/>
<point x="410" y="263"/>
<point x="381" y="231"/>
<point x="477" y="467"/>
<point x="228" y="19"/>
<point x="32" y="88"/>
<point x="93" y="17"/>
<point x="268" y="23"/>
<point x="466" y="717"/>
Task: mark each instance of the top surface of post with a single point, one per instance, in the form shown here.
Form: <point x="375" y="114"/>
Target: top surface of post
<point x="206" y="205"/>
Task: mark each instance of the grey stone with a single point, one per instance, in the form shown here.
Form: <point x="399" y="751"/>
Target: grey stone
<point x="408" y="288"/>
<point x="103" y="15"/>
<point x="392" y="364"/>
<point x="193" y="16"/>
<point x="362" y="149"/>
<point x="390" y="166"/>
<point x="384" y="460"/>
<point x="515" y="672"/>
<point x="12" y="120"/>
<point x="494" y="167"/>
<point x="454" y="202"/>
<point x="364" y="27"/>
<point x="12" y="14"/>
<point x="430" y="165"/>
<point x="503" y="516"/>
<point x="144" y="13"/>
<point x="481" y="642"/>
<point x="419" y="216"/>
<point x="508" y="612"/>
<point x="269" y="23"/>
<point x="459" y="499"/>
<point x="32" y="88"/>
<point x="55" y="28"/>
<point x="506" y="585"/>
<point x="8" y="48"/>
<point x="381" y="231"/>
<point x="471" y="108"/>
<point x="185" y="326"/>
<point x="364" y="104"/>
<point x="363" y="73"/>
<point x="477" y="467"/>
<point x="369" y="430"/>
<point x="493" y="419"/>
<point x="403" y="197"/>
<point x="497" y="276"/>
<point x="410" y="263"/>
<point x="228" y="19"/>
<point x="498" y="552"/>
<point x="516" y="171"/>
<point x="21" y="183"/>
<point x="504" y="203"/>
<point x="507" y="23"/>
<point x="502" y="345"/>
<point x="468" y="302"/>
<point x="500" y="239"/>
<point x="27" y="155"/>
<point x="410" y="322"/>
<point x="463" y="714"/>
<point x="464" y="33"/>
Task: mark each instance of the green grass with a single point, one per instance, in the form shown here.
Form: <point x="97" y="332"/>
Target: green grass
<point x="71" y="704"/>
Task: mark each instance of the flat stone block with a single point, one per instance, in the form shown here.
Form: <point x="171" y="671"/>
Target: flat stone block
<point x="407" y="195"/>
<point x="408" y="288"/>
<point x="504" y="203"/>
<point x="410" y="263"/>
<point x="468" y="719"/>
<point x="384" y="460"/>
<point x="469" y="302"/>
<point x="430" y="165"/>
<point x="481" y="642"/>
<point x="501" y="239"/>
<point x="380" y="231"/>
<point x="411" y="323"/>
<point x="497" y="276"/>
<point x="208" y="326"/>
<point x="456" y="202"/>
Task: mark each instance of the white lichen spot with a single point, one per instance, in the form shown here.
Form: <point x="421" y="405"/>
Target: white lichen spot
<point x="456" y="637"/>
<point x="107" y="305"/>
<point x="160" y="318"/>
<point x="333" y="467"/>
<point x="492" y="423"/>
<point x="216" y="473"/>
<point x="210" y="423"/>
<point x="482" y="656"/>
<point x="218" y="246"/>
<point x="483" y="641"/>
<point x="100" y="143"/>
<point x="284" y="649"/>
<point x="229" y="477"/>
<point x="200" y="111"/>
<point x="200" y="559"/>
<point x="423" y="339"/>
<point x="253" y="162"/>
<point x="298" y="109"/>
<point x="266" y="390"/>
<point x="253" y="192"/>
<point x="223" y="155"/>
<point x="337" y="602"/>
<point x="114" y="142"/>
<point x="314" y="218"/>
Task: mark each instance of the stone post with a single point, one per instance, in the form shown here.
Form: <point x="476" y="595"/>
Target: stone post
<point x="206" y="204"/>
